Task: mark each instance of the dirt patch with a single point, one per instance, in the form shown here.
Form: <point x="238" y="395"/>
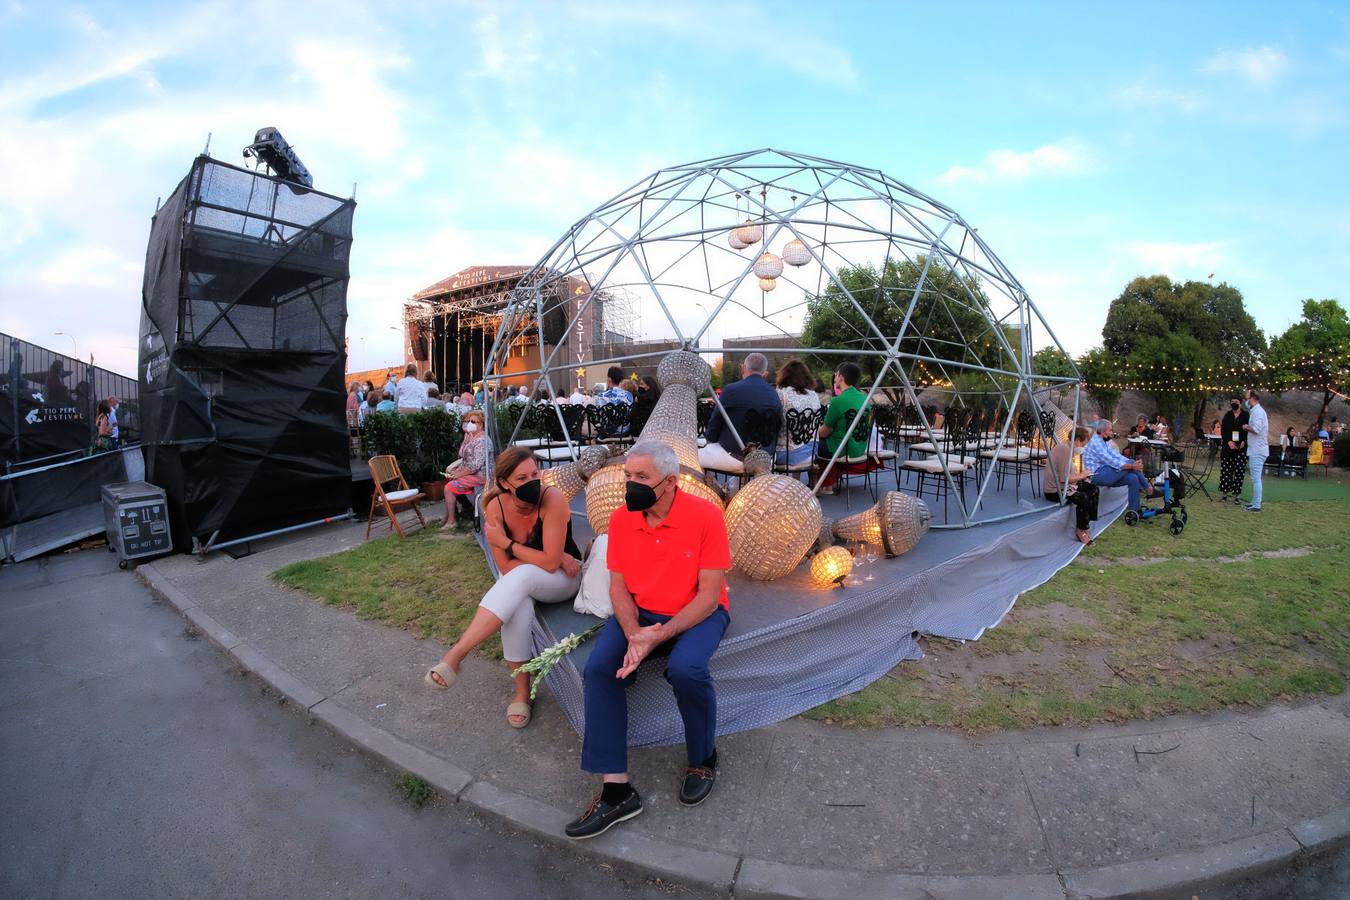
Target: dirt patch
<point x="1214" y="645"/>
<point x="1283" y="553"/>
<point x="1061" y="615"/>
<point x="949" y="663"/>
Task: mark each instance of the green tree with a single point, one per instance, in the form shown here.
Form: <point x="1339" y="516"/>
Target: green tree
<point x="1101" y="371"/>
<point x="1314" y="350"/>
<point x="1051" y="361"/>
<point x="949" y="321"/>
<point x="1157" y="327"/>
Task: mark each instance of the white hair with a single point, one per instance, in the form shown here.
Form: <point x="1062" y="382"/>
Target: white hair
<point x="757" y="363"/>
<point x="662" y="456"/>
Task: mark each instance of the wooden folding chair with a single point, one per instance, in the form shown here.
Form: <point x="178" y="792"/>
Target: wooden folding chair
<point x="384" y="470"/>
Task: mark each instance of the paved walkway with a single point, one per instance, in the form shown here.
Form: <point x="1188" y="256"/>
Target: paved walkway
<point x="1158" y="808"/>
<point x="135" y="762"/>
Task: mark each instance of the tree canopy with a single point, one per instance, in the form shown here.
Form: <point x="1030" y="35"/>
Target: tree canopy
<point x="950" y="319"/>
<point x="1157" y="325"/>
<point x="1315" y="351"/>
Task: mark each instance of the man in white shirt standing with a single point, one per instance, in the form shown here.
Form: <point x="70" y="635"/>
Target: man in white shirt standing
<point x="411" y="393"/>
<point x="1258" y="446"/>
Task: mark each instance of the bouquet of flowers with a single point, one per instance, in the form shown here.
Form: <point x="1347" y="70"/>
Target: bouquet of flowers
<point x="542" y="664"/>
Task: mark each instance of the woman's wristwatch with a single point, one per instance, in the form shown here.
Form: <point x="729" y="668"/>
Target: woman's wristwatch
<point x="510" y="554"/>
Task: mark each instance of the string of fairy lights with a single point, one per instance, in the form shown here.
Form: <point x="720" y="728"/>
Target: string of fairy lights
<point x="1325" y="371"/>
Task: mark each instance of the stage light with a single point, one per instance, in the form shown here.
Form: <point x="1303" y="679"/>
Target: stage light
<point x="271" y="149"/>
<point x="831" y="566"/>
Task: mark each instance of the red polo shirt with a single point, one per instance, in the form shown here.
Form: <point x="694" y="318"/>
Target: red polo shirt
<point x="660" y="565"/>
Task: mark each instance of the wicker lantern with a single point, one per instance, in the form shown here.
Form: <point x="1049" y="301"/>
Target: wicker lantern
<point x="768" y="265"/>
<point x="734" y="240"/>
<point x="896" y="523"/>
<point x="571" y="478"/>
<point x="831" y="566"/>
<point x="749" y="233"/>
<point x="771" y="524"/>
<point x="768" y="284"/>
<point x="795" y="253"/>
<point x="604" y="494"/>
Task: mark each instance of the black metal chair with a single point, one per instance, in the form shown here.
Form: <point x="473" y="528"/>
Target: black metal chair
<point x="611" y="422"/>
<point x="802" y="428"/>
<point x="562" y="443"/>
<point x="759" y="429"/>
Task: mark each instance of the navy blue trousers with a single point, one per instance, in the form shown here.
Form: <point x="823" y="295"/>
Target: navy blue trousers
<point x="604" y="749"/>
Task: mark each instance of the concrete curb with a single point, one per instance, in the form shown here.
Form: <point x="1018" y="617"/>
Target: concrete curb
<point x="1180" y="874"/>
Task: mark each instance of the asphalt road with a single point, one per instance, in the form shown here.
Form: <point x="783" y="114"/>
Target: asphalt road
<point x="136" y="762"/>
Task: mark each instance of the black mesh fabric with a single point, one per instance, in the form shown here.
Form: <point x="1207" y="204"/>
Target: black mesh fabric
<point x="244" y="310"/>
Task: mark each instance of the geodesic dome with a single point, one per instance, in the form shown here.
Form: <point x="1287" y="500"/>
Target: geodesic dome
<point x="794" y="255"/>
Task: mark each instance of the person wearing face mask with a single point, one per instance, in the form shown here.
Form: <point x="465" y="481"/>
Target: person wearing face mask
<point x="667" y="556"/>
<point x="468" y="473"/>
<point x="528" y="529"/>
<point x="1066" y="466"/>
<point x="648" y="392"/>
<point x="1233" y="458"/>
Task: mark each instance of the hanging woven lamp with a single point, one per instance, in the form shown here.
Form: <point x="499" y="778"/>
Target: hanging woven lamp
<point x="795" y="253"/>
<point x="750" y="233"/>
<point x="768" y="284"/>
<point x="734" y="241"/>
<point x="769" y="265"/>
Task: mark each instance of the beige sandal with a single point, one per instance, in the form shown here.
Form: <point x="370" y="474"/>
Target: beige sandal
<point x="447" y="676"/>
<point x="519" y="708"/>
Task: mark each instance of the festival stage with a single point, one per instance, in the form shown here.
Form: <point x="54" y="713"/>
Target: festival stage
<point x="792" y="646"/>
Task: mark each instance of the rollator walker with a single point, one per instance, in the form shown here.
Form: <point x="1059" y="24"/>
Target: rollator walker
<point x="1173" y="486"/>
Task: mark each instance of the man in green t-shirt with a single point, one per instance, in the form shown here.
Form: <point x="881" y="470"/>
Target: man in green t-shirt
<point x="848" y="398"/>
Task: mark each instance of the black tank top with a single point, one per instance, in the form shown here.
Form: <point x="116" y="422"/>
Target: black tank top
<point x="535" y="540"/>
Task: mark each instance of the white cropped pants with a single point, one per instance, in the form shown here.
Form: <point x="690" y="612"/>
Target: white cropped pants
<point x="512" y="599"/>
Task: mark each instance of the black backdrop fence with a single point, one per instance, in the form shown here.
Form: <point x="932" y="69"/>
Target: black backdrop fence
<point x="48" y="402"/>
<point x="243" y="319"/>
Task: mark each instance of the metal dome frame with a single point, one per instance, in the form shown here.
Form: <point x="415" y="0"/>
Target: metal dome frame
<point x="846" y="216"/>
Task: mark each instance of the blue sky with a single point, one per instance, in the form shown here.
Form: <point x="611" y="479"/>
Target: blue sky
<point x="1185" y="139"/>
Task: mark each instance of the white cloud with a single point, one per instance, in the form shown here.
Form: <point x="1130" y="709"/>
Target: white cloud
<point x="1146" y="94"/>
<point x="1259" y="65"/>
<point x="1069" y="157"/>
<point x="1178" y="259"/>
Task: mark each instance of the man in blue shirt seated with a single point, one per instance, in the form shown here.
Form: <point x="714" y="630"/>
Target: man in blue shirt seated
<point x="751" y="392"/>
<point x="1110" y="469"/>
<point x="613" y="393"/>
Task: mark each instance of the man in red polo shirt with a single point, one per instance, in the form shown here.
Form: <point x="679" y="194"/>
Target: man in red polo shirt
<point x="667" y="558"/>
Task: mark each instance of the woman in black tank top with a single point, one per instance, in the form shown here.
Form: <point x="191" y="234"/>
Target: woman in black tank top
<point x="528" y="530"/>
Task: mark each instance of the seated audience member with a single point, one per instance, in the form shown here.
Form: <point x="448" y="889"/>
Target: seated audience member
<point x="410" y="394"/>
<point x="579" y="396"/>
<point x="528" y="529"/>
<point x="468" y="473"/>
<point x="615" y="392"/>
<point x="667" y="556"/>
<point x="648" y="392"/>
<point x="796" y="391"/>
<point x="1081" y="493"/>
<point x="1109" y="468"/>
<point x="1214" y="428"/>
<point x="353" y="397"/>
<point x="752" y="392"/>
<point x="519" y="395"/>
<point x="1160" y="429"/>
<point x="433" y="400"/>
<point x="847" y="399"/>
<point x="385" y="403"/>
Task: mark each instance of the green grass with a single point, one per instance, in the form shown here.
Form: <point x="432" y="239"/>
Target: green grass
<point x="426" y="583"/>
<point x="415" y="790"/>
<point x="1146" y="625"/>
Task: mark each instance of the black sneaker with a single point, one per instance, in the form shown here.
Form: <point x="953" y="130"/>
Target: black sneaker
<point x="600" y="816"/>
<point x="698" y="784"/>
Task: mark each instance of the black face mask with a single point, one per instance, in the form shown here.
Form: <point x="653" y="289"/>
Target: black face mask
<point x="529" y="492"/>
<point x="638" y="496"/>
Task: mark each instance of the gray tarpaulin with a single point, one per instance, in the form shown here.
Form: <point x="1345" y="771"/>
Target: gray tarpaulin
<point x="809" y="646"/>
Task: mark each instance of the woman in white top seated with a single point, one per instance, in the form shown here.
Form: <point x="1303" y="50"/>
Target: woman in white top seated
<point x="796" y="390"/>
